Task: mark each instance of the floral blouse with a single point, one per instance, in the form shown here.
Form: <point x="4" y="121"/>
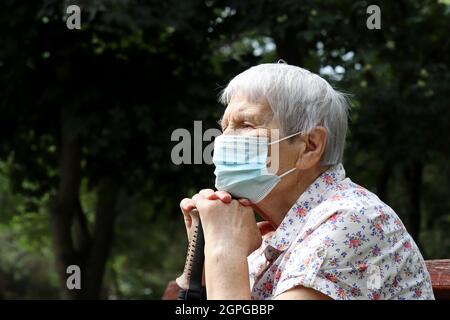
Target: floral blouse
<point x="343" y="241"/>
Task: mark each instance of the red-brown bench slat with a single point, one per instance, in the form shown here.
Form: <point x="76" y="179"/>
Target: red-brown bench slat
<point x="440" y="277"/>
<point x="171" y="292"/>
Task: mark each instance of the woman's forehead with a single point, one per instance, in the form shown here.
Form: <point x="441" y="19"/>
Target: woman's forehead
<point x="240" y="106"/>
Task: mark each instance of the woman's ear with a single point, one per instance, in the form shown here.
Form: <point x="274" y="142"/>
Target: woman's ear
<point x="315" y="143"/>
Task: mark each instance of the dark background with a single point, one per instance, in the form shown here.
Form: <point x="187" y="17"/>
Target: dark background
<point x="86" y="118"/>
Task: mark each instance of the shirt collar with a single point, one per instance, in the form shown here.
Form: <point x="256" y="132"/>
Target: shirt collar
<point x="296" y="217"/>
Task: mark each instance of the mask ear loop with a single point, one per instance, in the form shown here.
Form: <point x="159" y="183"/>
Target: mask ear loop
<point x="285" y="138"/>
<point x="287" y="172"/>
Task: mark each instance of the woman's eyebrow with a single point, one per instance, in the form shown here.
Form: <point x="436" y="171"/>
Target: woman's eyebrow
<point x="250" y="116"/>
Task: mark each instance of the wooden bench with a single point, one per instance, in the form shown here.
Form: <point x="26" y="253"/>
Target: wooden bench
<point x="439" y="271"/>
<point x="440" y="278"/>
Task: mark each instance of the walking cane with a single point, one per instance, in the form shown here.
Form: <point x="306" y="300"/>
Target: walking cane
<point x="195" y="259"/>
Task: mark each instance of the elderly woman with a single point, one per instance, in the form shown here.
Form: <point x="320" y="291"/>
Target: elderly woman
<point x="324" y="236"/>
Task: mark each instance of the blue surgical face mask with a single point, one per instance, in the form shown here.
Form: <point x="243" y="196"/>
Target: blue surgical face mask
<point x="241" y="166"/>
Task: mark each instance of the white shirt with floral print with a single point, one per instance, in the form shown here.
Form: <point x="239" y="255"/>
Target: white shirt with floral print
<point x="342" y="240"/>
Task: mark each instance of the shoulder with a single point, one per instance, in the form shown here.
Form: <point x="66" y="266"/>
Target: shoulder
<point x="350" y="205"/>
<point x="351" y="220"/>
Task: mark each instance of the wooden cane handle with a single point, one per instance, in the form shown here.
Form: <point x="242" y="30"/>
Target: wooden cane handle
<point x="193" y="234"/>
<point x="183" y="280"/>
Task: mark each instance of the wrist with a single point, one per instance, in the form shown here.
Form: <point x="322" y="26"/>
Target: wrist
<point x="220" y="251"/>
<point x="227" y="273"/>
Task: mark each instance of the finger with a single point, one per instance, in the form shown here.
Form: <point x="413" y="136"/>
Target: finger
<point x="245" y="202"/>
<point x="187" y="205"/>
<point x="206" y="193"/>
<point x="197" y="197"/>
<point x="223" y="196"/>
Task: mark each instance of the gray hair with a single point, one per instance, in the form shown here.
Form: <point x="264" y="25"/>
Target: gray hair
<point x="300" y="100"/>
